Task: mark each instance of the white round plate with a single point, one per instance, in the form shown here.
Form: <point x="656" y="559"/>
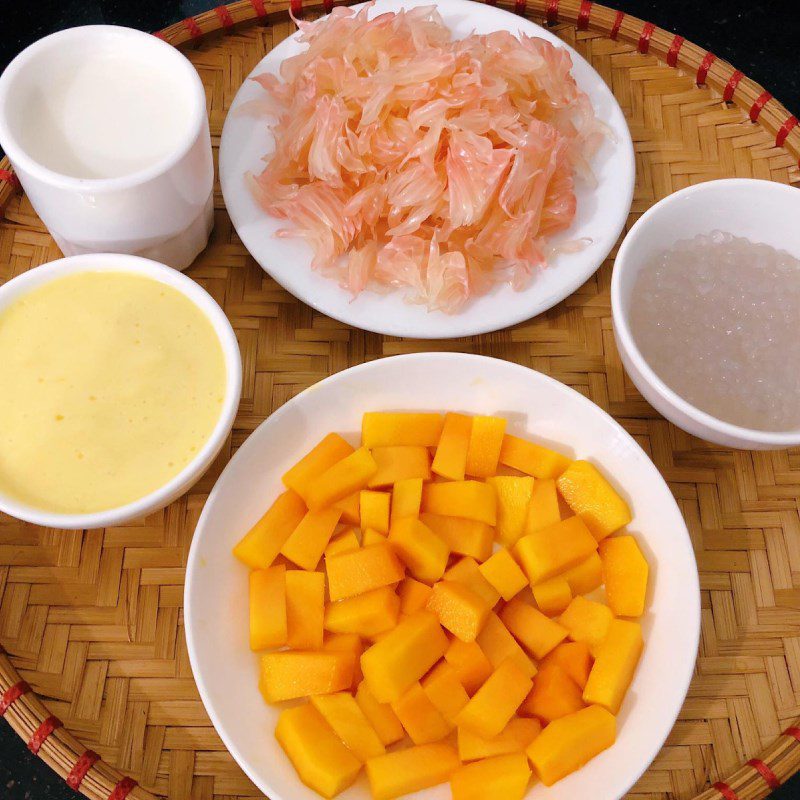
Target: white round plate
<point x="600" y="217"/>
<point x="216" y="596"/>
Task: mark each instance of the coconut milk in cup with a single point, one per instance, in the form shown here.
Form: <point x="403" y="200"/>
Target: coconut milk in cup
<point x="107" y="130"/>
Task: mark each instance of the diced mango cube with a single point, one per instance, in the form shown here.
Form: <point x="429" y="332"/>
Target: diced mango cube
<point x="413" y="595"/>
<point x="513" y="500"/>
<point x="552" y="596"/>
<point x="499" y="645"/>
<point x="485" y="441"/>
<point x="554" y="695"/>
<point x="423" y="722"/>
<point x="290" y="674"/>
<point x="466" y="537"/>
<point x="323" y="456"/>
<point x="262" y="543"/>
<point x="537" y="633"/>
<point x="305" y="609"/>
<point x="501" y="776"/>
<point x="549" y="551"/>
<point x="344" y="542"/>
<point x="445" y="690"/>
<point x="625" y="571"/>
<point x="403" y="656"/>
<point x="341" y="711"/>
<point x="467" y="572"/>
<point x="585" y="576"/>
<point x="268" y="608"/>
<point x="385" y="429"/>
<point x="358" y="571"/>
<point x="307" y="542"/>
<point x="492" y="706"/>
<point x="587" y="621"/>
<point x="323" y="763"/>
<point x="350" y="507"/>
<point x="568" y="743"/>
<point x="460" y="610"/>
<point x="370" y="537"/>
<point x="342" y="479"/>
<point x="380" y="716"/>
<point x="574" y="658"/>
<point x="514" y="738"/>
<point x="411" y="770"/>
<point x="470" y="664"/>
<point x="614" y="666"/>
<point x="593" y="499"/>
<point x="375" y="510"/>
<point x="346" y="643"/>
<point x="504" y="574"/>
<point x="366" y="614"/>
<point x="469" y="499"/>
<point x="532" y="459"/>
<point x="406" y="498"/>
<point x="543" y="509"/>
<point x="419" y="548"/>
<point x="400" y="463"/>
<point x="450" y="460"/>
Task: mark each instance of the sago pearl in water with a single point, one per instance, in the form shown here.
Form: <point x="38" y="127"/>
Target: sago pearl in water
<point x="717" y="317"/>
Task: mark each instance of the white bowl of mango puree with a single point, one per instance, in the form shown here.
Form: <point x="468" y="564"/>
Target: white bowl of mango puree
<point x="119" y="382"/>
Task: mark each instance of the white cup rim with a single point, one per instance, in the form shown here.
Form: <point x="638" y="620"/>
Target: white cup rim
<point x="20" y="157"/>
<point x="623" y="332"/>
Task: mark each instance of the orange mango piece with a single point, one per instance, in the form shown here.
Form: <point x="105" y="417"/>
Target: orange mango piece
<point x="406" y="498"/>
<point x="341" y="711"/>
<point x="514" y="738"/>
<point x="322" y="761"/>
<point x="469" y="663"/>
<point x="568" y="743"/>
<point x="419" y="548"/>
<point x="554" y="695"/>
<point x="307" y="542"/>
<point x="574" y="658"/>
<point x="504" y="574"/>
<point x="411" y="770"/>
<point x="460" y="610"/>
<point x="594" y="499"/>
<point x="400" y="463"/>
<point x="329" y="451"/>
<point x="344" y="542"/>
<point x="585" y="576"/>
<point x="262" y="543"/>
<point x="469" y="499"/>
<point x="370" y="536"/>
<point x="467" y="572"/>
<point x="305" y="608"/>
<point x="380" y="716"/>
<point x="375" y="510"/>
<point x="403" y="656"/>
<point x="543" y="509"/>
<point x="615" y="665"/>
<point x="342" y="479"/>
<point x="625" y="571"/>
<point x="450" y="460"/>
<point x="492" y="706"/>
<point x="532" y="459"/>
<point x="499" y="645"/>
<point x="445" y="690"/>
<point x="485" y="441"/>
<point x="268" y="608"/>
<point x="549" y="551"/>
<point x="290" y="674"/>
<point x="358" y="571"/>
<point x="537" y="633"/>
<point x="466" y="537"/>
<point x="552" y="596"/>
<point x="413" y="595"/>
<point x="366" y="614"/>
<point x="350" y="507"/>
<point x="501" y="776"/>
<point x="513" y="499"/>
<point x="387" y="429"/>
<point x="422" y="720"/>
<point x="346" y="643"/>
<point x="587" y="621"/>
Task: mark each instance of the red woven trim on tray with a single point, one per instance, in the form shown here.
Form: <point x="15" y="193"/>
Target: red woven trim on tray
<point x="785" y="130"/>
<point x="82" y="766"/>
<point x="160" y="35"/>
<point x="793" y="732"/>
<point x="123" y="789"/>
<point x="11" y="695"/>
<point x="224" y="17"/>
<point x="583" y="15"/>
<point x="491" y="2"/>
<point x="674" y="49"/>
<point x="617" y="25"/>
<point x="770" y="778"/>
<point x="644" y="38"/>
<point x="190" y="23"/>
<point x="730" y="86"/>
<point x="551" y="13"/>
<point x="297" y="8"/>
<point x="258" y="7"/>
<point x="10" y="177"/>
<point x="42" y="732"/>
<point x="705" y="65"/>
<point x="327" y="5"/>
<point x="761" y="101"/>
<point x="519" y="7"/>
<point x="725" y="791"/>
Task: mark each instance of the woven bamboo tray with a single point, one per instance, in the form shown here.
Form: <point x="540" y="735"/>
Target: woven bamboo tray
<point x="95" y="675"/>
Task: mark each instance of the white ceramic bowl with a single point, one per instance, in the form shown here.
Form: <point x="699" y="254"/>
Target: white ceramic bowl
<point x="762" y="211"/>
<point x="601" y="213"/>
<point x="190" y="474"/>
<point x="216" y="595"/>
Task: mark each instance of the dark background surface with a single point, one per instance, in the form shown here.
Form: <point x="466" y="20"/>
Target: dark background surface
<point x="758" y="38"/>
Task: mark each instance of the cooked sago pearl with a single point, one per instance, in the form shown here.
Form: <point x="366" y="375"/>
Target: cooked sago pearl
<point x="717" y="319"/>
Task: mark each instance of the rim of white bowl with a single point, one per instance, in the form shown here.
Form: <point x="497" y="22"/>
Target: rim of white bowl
<point x="622" y="330"/>
<point x="19" y="155"/>
<point x="118" y="262"/>
<point x="191" y="565"/>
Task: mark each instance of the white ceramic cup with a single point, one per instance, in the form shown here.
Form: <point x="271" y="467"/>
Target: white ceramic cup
<point x="162" y="210"/>
<point x="762" y="211"/>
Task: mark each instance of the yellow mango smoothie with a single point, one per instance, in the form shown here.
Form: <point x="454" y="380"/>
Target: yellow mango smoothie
<point x="110" y="384"/>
